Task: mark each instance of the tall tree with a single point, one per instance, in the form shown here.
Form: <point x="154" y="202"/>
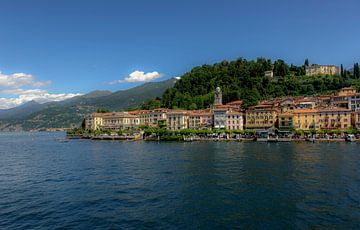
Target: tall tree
<point x="306" y="64"/>
<point x="281" y="69"/>
<point x="356" y="70"/>
<point x="341" y="70"/>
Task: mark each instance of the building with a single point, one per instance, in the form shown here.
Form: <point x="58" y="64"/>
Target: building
<point x="235" y="104"/>
<point x="325" y="118"/>
<point x="346" y="98"/>
<point x="220" y="117"/>
<point x="356" y="119"/>
<point x="347" y="91"/>
<point x="177" y="120"/>
<point x="286" y="105"/>
<point x="334" y="118"/>
<point x="119" y="121"/>
<point x="305" y="119"/>
<point x="306" y="103"/>
<point x="355" y="102"/>
<point x="324" y="100"/>
<point x="153" y="117"/>
<point x="261" y="116"/>
<point x="200" y="119"/>
<point x="269" y="73"/>
<point x="234" y="120"/>
<point x="322" y="70"/>
<point x="286" y="121"/>
<point x="94" y="121"/>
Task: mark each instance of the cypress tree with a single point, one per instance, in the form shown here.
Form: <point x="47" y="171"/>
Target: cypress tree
<point x="306" y="64"/>
<point x="354" y="71"/>
<point x="341" y="70"/>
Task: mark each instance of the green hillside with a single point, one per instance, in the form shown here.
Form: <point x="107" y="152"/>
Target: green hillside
<point x="245" y="80"/>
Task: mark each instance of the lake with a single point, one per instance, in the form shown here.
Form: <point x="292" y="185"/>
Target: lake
<point x="48" y="182"/>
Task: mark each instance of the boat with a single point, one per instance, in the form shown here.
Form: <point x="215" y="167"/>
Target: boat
<point x="350" y="138"/>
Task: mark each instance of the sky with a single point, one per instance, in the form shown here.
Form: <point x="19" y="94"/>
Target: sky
<point x="54" y="50"/>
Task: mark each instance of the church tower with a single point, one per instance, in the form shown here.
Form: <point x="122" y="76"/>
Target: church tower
<point x="218" y="96"/>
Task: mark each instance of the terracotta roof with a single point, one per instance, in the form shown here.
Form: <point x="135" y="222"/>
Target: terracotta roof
<point x="234" y="113"/>
<point x="306" y="99"/>
<point x="235" y="102"/>
<point x="262" y="106"/>
<point x="333" y="109"/>
<point x="199" y="114"/>
<point x="178" y="112"/>
<point x="305" y="111"/>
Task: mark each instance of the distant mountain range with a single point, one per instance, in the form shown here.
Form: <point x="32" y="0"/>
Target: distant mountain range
<point x="70" y="113"/>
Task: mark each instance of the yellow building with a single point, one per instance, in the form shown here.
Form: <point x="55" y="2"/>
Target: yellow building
<point x="322" y="70"/>
<point x="200" y="120"/>
<point x="356" y="119"/>
<point x="153" y="117"/>
<point x="119" y="121"/>
<point x="322" y="118"/>
<point x="306" y="119"/>
<point x="261" y="116"/>
<point x="334" y="118"/>
<point x="177" y="120"/>
<point x="94" y="121"/>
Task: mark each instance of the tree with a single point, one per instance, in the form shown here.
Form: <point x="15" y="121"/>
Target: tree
<point x="341" y="70"/>
<point x="281" y="69"/>
<point x="151" y="104"/>
<point x="83" y="124"/>
<point x="244" y="80"/>
<point x="356" y="71"/>
<point x="102" y="110"/>
<point x="306" y="63"/>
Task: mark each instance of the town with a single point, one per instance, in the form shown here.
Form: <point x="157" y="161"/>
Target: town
<point x="326" y="116"/>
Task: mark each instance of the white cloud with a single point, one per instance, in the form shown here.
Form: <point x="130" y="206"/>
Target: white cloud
<point x="139" y="76"/>
<point x="17" y="80"/>
<point x="38" y="95"/>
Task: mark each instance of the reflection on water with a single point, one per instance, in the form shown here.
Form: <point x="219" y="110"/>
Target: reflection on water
<point x="48" y="183"/>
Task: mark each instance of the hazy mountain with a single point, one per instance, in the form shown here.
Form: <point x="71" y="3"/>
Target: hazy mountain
<point x="21" y="111"/>
<point x="71" y="112"/>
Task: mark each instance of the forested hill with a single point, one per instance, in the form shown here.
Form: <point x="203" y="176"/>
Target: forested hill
<point x="245" y="80"/>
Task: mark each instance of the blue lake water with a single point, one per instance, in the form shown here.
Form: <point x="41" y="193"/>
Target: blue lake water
<point x="46" y="183"/>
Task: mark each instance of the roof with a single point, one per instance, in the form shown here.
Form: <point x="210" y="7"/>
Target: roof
<point x="185" y="112"/>
<point x="238" y="102"/>
<point x="333" y="109"/>
<point x="316" y="65"/>
<point x="306" y="99"/>
<point x="265" y="106"/>
<point x="305" y="111"/>
<point x="234" y="113"/>
<point x="199" y="114"/>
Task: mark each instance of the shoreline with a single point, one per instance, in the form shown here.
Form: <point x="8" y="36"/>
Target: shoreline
<point x="181" y="139"/>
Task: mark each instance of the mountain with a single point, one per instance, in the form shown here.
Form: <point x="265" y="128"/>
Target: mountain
<point x="70" y="113"/>
<point x="21" y="111"/>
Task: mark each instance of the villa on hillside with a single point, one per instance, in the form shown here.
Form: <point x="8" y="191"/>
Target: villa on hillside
<point x="322" y="70"/>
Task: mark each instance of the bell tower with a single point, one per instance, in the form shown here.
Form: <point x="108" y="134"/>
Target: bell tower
<point x="218" y="96"/>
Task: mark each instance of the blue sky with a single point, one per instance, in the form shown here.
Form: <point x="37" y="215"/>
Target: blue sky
<point x="62" y="48"/>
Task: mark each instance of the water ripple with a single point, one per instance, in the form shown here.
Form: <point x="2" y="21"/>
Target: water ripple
<point x="45" y="183"/>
